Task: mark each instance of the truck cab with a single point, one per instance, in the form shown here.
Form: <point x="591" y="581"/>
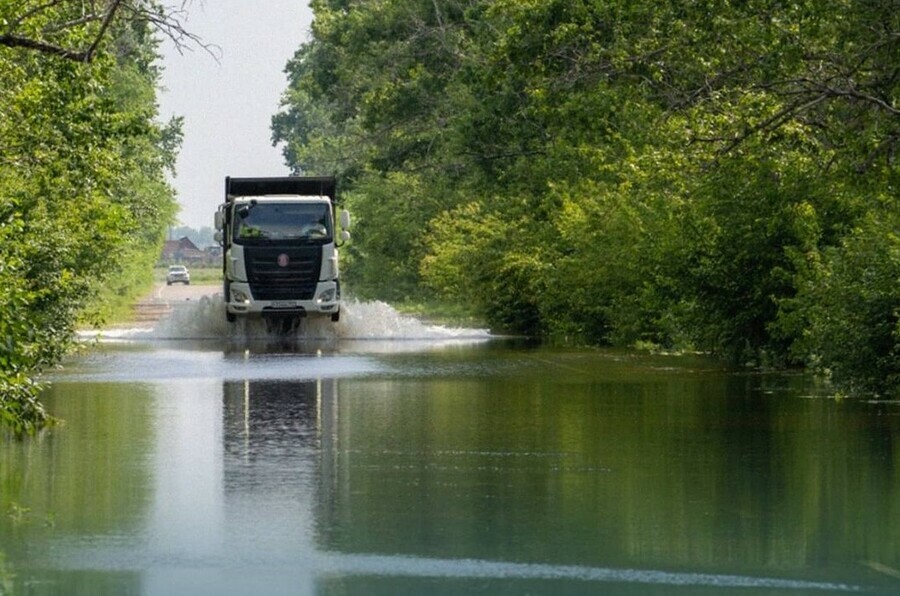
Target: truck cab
<point x="279" y="240"/>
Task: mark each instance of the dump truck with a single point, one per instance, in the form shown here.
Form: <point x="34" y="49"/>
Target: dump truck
<point x="280" y="240"/>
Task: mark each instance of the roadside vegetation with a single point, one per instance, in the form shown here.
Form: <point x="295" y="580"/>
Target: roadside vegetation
<point x="703" y="175"/>
<point x="84" y="202"/>
<point x="441" y="312"/>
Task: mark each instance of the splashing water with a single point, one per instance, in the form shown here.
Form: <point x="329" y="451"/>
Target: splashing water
<point x="205" y="319"/>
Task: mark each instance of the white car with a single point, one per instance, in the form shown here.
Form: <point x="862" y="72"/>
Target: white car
<point x="178" y="274"/>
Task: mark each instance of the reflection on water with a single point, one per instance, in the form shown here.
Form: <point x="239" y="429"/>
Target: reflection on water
<point x="454" y="467"/>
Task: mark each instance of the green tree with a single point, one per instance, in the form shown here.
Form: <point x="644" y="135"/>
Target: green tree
<point x="83" y="197"/>
<point x="620" y="171"/>
<point x="846" y="314"/>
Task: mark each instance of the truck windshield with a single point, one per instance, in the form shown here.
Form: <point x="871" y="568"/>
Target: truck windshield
<point x="271" y="223"/>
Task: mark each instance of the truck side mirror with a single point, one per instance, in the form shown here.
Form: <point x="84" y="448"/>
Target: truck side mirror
<point x="219" y="220"/>
<point x="345" y="235"/>
<point x="345" y="219"/>
<point x="219" y="236"/>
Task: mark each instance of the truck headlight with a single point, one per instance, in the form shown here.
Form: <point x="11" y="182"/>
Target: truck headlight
<point x="239" y="296"/>
<point x="326" y="296"/>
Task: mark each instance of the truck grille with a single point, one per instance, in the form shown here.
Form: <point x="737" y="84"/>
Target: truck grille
<point x="283" y="273"/>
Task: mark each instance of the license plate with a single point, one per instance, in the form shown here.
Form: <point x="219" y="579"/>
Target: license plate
<point x="284" y="304"/>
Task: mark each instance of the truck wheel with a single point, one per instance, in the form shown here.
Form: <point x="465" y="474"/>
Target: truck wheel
<point x="336" y="316"/>
<point x="230" y="317"/>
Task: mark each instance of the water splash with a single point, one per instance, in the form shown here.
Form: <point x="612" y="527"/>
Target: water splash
<point x="199" y="319"/>
<point x="377" y="320"/>
<point x="205" y="319"/>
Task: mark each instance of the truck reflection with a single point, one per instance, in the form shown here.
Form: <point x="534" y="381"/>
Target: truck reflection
<point x="272" y="434"/>
<point x="274" y="422"/>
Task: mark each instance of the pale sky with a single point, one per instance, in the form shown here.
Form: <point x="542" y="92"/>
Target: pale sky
<point x="228" y="105"/>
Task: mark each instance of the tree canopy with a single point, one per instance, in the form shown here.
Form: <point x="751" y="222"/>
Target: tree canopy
<point x="713" y="175"/>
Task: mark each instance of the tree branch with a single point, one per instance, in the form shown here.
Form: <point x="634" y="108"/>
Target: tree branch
<point x="89" y="54"/>
<point x="166" y="20"/>
<point x="30" y="13"/>
<point x="853" y="93"/>
<point x="14" y="41"/>
<point x="88" y="18"/>
<point x="773" y="121"/>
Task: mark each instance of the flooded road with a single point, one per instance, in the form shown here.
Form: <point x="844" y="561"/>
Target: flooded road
<point x="385" y="456"/>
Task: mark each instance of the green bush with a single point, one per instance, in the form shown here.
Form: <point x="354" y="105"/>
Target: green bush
<point x="850" y="306"/>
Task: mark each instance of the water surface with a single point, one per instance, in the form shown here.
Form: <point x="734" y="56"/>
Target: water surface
<point x="444" y="465"/>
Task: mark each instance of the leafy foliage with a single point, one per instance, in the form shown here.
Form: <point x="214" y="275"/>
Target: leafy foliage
<point x="678" y="174"/>
<point x="83" y="197"/>
<point x="849" y="306"/>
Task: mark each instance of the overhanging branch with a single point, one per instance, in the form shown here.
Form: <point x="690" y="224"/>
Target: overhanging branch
<point x="103" y="27"/>
<point x="95" y="18"/>
<point x="14" y="41"/>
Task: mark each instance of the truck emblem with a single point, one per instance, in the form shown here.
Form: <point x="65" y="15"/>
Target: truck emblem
<point x="283" y="260"/>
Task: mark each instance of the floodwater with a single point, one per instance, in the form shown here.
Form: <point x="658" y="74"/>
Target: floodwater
<point x="389" y="457"/>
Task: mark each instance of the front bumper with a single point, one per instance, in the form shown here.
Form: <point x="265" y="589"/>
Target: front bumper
<point x="326" y="301"/>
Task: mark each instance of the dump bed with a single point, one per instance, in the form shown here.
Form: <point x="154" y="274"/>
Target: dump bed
<point x="323" y="186"/>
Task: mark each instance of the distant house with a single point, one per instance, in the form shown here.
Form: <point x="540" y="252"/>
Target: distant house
<point x="182" y="251"/>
